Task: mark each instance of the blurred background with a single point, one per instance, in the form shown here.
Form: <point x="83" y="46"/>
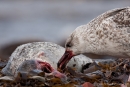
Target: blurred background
<point x="25" y="21"/>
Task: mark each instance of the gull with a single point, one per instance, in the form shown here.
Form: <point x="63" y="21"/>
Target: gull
<point x="108" y="34"/>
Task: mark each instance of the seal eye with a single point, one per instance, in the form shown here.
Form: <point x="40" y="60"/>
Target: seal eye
<point x="68" y="45"/>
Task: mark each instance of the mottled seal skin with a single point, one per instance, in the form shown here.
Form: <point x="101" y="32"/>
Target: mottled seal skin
<point x="25" y="56"/>
<point x="48" y="52"/>
<point x="107" y="34"/>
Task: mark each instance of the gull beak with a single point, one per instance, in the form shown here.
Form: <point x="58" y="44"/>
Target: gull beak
<point x="65" y="59"/>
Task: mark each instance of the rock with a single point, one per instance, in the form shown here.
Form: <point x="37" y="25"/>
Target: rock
<point x="42" y="79"/>
<point x="6" y="78"/>
<point x="87" y="84"/>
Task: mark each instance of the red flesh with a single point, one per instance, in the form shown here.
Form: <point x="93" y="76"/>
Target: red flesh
<point x="50" y="69"/>
<point x="45" y="66"/>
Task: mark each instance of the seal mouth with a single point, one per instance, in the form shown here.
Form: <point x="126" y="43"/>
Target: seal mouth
<point x="46" y="67"/>
<point x="65" y="59"/>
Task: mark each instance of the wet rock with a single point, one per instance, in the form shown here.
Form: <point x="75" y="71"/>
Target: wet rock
<point x="6" y="78"/>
